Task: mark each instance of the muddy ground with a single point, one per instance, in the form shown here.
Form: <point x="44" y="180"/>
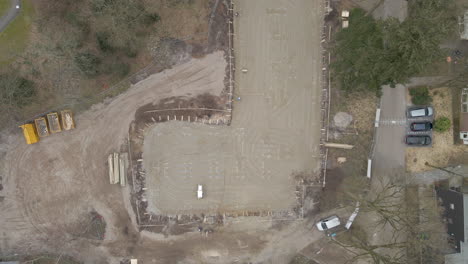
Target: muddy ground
<point x="269" y="140"/>
<point x="50" y="186"/>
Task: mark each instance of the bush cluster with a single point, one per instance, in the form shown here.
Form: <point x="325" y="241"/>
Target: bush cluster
<point x="442" y="124"/>
<point x="420" y="95"/>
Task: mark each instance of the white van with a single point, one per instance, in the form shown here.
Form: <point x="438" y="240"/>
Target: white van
<point x="328" y="223"/>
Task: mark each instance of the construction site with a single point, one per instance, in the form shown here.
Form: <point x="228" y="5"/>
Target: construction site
<point x="227" y="145"/>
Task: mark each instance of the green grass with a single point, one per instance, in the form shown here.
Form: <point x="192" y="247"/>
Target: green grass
<point x="14" y="39"/>
<point x="4" y="5"/>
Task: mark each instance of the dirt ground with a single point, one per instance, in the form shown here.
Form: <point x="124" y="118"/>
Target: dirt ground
<point x="48" y="186"/>
<point x="443" y="149"/>
<point x="177" y="156"/>
<point x="51" y="189"/>
<point x="270" y="137"/>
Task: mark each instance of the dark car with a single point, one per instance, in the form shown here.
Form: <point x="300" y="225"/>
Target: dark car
<point x="421" y="126"/>
<point x="418" y="140"/>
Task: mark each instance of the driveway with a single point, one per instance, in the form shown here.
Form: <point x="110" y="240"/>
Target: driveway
<point x="10" y="15"/>
<point x="389" y="152"/>
<point x="392" y="8"/>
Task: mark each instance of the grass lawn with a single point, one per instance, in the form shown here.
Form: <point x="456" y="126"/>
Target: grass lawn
<point x="4" y="5"/>
<point x="14" y="38"/>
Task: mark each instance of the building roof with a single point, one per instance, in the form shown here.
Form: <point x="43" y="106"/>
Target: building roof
<point x="462" y="257"/>
<point x="464" y="122"/>
<point x="447" y="173"/>
<point x="464" y="110"/>
<point x="454" y="214"/>
<point x="464" y="33"/>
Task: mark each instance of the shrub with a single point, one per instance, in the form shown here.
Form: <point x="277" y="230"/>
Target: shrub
<point x="152" y="18"/>
<point x="442" y="124"/>
<point x="88" y="63"/>
<point x="420" y="95"/>
<point x="104" y="42"/>
<point x="121" y="69"/>
<point x="130" y="49"/>
<point x="15" y="90"/>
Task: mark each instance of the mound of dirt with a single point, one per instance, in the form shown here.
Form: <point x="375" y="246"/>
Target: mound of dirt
<point x="342" y="120"/>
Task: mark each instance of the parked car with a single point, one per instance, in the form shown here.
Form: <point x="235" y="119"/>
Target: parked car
<point x="328" y="223"/>
<point x="420" y="111"/>
<point x="418" y="140"/>
<point x="421" y="126"/>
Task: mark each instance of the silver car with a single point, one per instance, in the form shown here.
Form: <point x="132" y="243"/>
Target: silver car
<point x="420" y="111"/>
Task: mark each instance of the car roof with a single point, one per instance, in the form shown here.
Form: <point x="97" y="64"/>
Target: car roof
<point x="422" y="125"/>
<point x="413" y="139"/>
<point x="333" y="222"/>
<point x="418" y="111"/>
<point x="422" y="122"/>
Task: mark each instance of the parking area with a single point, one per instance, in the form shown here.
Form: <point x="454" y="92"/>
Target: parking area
<point x="394" y="127"/>
<point x="418" y="128"/>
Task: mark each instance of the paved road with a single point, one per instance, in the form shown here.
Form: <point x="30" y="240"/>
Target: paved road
<point x="10" y="15"/>
<point x="391" y="8"/>
<point x="389" y="150"/>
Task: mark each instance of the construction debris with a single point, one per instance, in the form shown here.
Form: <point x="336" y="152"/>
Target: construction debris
<point x="118" y="164"/>
<point x="337" y="145"/>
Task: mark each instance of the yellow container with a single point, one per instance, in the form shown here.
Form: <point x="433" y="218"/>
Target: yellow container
<point x="30" y="134"/>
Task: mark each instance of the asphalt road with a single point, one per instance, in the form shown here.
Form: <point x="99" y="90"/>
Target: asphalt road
<point x="388" y="8"/>
<point x="389" y="152"/>
<point x="10" y="15"/>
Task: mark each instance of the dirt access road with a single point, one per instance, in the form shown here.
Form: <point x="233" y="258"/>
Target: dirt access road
<point x="10" y="15"/>
<point x="275" y="130"/>
<point x="49" y="187"/>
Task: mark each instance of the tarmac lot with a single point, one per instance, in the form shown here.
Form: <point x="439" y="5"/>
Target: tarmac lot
<point x="275" y="130"/>
<point x="389" y="152"/>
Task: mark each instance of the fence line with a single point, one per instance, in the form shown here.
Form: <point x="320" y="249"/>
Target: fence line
<point x="326" y="93"/>
<point x="230" y="53"/>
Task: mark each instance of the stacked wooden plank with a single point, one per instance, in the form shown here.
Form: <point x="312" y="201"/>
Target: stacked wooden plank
<point x="118" y="164"/>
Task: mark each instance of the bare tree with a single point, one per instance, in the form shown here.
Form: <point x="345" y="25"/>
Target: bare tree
<point x="384" y="199"/>
<point x="412" y="216"/>
<point x="389" y="253"/>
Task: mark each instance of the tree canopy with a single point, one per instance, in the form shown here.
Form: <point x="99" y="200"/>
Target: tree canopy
<point x="371" y="53"/>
